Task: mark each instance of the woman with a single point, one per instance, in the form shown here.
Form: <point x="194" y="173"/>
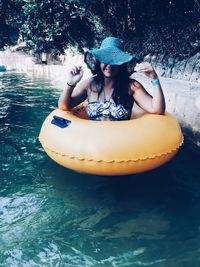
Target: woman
<point x="110" y="92"/>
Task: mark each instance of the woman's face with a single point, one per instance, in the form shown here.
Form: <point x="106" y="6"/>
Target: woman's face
<point x="109" y="71"/>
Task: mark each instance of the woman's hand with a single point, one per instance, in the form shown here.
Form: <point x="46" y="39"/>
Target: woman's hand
<point x="151" y="103"/>
<point x="75" y="75"/>
<point x="147" y="69"/>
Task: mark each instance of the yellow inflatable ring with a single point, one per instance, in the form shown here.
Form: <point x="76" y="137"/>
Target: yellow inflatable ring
<point x="110" y="148"/>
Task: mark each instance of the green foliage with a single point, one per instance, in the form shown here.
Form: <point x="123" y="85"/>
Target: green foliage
<point x="9" y="17"/>
<point x="52" y="25"/>
<point x="145" y="25"/>
<point x="179" y="39"/>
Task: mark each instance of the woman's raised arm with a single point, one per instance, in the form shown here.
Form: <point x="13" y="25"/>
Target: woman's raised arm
<point x="152" y="104"/>
<point x="73" y="94"/>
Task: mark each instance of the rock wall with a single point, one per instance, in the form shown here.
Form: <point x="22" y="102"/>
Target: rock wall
<point x="187" y="69"/>
<point x="25" y="63"/>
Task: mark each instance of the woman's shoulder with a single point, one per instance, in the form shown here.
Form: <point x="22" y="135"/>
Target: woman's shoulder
<point x="134" y="85"/>
<point x="87" y="82"/>
<point x="134" y="82"/>
<point x="90" y="84"/>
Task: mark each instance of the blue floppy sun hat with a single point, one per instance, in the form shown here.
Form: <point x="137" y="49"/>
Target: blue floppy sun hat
<point x="111" y="52"/>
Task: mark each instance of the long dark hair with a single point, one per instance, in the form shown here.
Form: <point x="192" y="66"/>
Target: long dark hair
<point x="121" y="93"/>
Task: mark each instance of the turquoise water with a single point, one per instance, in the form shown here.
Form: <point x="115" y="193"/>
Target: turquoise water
<point x="51" y="216"/>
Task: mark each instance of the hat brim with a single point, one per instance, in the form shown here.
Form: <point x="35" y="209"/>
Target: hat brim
<point x="111" y="56"/>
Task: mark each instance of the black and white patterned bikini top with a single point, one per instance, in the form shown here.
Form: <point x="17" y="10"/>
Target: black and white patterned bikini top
<point x="98" y="111"/>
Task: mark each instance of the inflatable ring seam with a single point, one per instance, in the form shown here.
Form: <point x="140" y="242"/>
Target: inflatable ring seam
<point x="118" y="161"/>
